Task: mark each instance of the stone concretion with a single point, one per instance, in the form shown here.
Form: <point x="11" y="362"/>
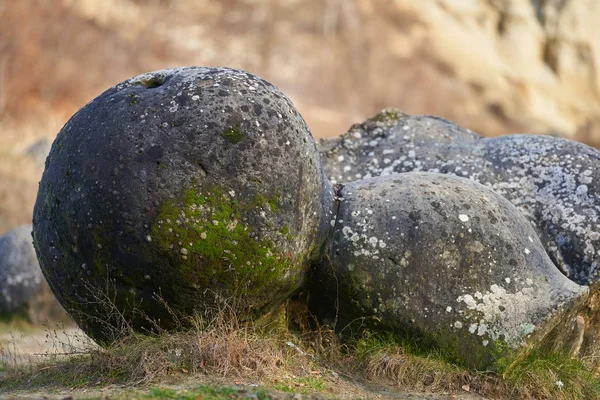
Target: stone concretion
<point x="182" y="191"/>
<point x="552" y="181"/>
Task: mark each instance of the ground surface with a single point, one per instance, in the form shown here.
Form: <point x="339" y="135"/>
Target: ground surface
<point x="22" y="344"/>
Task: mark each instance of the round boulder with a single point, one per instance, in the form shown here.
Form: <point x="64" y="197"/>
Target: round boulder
<point x="178" y="192"/>
<point x="23" y="289"/>
<point x="442" y="259"/>
<point x="552" y="181"/>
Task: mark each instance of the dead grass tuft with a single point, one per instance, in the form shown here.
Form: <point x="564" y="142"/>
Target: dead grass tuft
<point x="422" y="373"/>
<point x="218" y="346"/>
<point x="540" y="375"/>
<point x="530" y="375"/>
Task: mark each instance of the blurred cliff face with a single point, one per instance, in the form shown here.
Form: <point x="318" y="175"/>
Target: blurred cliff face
<point x="495" y="66"/>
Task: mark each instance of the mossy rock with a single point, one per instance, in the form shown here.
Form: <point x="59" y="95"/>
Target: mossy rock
<point x="441" y="259"/>
<point x="168" y="195"/>
<point x="554" y="182"/>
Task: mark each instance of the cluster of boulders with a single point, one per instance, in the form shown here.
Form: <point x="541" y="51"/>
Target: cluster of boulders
<point x="181" y="191"/>
<point x="494" y="266"/>
<point x="552" y="181"/>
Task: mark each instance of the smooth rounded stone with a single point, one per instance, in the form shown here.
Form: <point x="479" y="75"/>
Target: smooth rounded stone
<point x="38" y="151"/>
<point x="444" y="259"/>
<point x="178" y="192"/>
<point x="552" y="181"/>
<point x="23" y="289"/>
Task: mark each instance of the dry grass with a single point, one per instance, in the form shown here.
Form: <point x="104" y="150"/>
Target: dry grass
<point x="219" y="346"/>
<point x="396" y="365"/>
<point x="530" y="375"/>
<point x="267" y="352"/>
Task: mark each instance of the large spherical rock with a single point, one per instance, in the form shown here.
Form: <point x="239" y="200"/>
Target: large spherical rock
<point x="175" y="191"/>
<point x="23" y="288"/>
<point x="552" y="181"/>
<point x="443" y="258"/>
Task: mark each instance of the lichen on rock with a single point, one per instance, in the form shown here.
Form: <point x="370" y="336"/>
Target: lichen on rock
<point x="444" y="258"/>
<point x="552" y="181"/>
<point x="171" y="189"/>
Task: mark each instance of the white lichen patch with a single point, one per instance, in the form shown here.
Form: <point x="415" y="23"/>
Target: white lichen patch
<point x="500" y="314"/>
<point x="363" y="244"/>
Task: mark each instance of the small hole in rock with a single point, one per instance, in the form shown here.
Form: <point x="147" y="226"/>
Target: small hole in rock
<point x="154" y="82"/>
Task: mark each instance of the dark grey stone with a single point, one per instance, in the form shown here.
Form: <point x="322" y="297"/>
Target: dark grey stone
<point x="188" y="187"/>
<point x="552" y="181"/>
<point x="21" y="279"/>
<point x="38" y="151"/>
<point x="443" y="258"/>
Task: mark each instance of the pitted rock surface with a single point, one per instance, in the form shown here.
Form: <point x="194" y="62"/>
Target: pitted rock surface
<point x="552" y="181"/>
<point x="187" y="186"/>
<point x="21" y="279"/>
<point x="443" y="257"/>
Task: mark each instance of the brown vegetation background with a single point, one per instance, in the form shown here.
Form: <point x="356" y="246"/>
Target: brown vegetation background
<point x="340" y="61"/>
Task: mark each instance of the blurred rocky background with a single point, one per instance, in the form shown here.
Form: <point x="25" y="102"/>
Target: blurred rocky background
<point x="494" y="66"/>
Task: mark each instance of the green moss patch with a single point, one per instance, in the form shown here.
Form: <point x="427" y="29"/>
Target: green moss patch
<point x="208" y="242"/>
<point x="233" y="134"/>
<point x="133" y="100"/>
<point x="389" y="115"/>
